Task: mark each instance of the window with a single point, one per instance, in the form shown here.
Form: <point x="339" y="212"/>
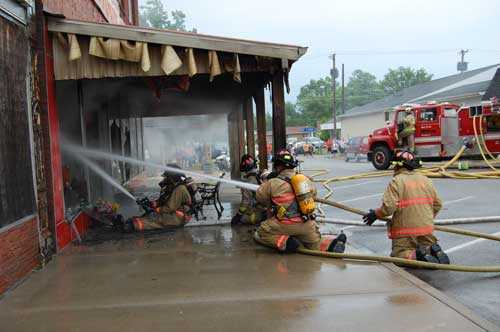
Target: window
<point x="428" y="114"/>
<point x="450" y="113"/>
<point x="387" y="116"/>
<point x="475" y="111"/>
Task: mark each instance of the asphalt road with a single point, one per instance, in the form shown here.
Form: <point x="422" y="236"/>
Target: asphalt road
<point x="462" y="198"/>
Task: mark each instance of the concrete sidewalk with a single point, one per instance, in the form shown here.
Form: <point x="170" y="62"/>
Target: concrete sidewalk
<point x="218" y="279"/>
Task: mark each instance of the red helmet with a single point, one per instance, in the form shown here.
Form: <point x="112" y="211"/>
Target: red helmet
<point x="407" y="160"/>
<point x="247" y="163"/>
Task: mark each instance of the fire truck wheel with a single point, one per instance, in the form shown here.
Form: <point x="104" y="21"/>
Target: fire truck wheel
<point x="381" y="157"/>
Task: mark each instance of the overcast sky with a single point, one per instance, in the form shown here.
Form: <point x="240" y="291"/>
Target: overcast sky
<point x="422" y="33"/>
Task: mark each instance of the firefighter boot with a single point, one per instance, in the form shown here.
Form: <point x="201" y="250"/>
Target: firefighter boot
<point x="423" y="256"/>
<point x="292" y="244"/>
<point x="441" y="256"/>
<point x="338" y="245"/>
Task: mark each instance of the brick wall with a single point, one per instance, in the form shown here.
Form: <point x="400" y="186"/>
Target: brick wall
<point x="85" y="10"/>
<point x="99" y="11"/>
<point x="19" y="253"/>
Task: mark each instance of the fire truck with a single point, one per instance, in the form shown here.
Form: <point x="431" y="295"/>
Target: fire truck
<point x="441" y="130"/>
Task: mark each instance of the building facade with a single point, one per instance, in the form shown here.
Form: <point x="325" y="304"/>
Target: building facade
<point x="30" y="168"/>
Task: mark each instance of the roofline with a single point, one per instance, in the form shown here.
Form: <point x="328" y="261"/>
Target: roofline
<point x="390" y="108"/>
<point x="176" y="38"/>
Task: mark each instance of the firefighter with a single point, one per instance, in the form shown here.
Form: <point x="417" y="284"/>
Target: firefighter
<point x="288" y="227"/>
<point x="249" y="211"/>
<point x="173" y="208"/>
<point x="407" y="134"/>
<point x="412" y="201"/>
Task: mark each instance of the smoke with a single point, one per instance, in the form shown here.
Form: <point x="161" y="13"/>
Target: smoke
<point x="164" y="137"/>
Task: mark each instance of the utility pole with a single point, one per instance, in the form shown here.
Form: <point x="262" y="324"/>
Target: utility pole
<point x="334" y="103"/>
<point x="343" y="95"/>
<point x="462" y="65"/>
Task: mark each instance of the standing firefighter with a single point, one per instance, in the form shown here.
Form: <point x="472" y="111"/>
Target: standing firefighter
<point x="290" y="196"/>
<point x="172" y="209"/>
<point x="412" y="201"/>
<point x="407" y="134"/>
<point x="249" y="211"/>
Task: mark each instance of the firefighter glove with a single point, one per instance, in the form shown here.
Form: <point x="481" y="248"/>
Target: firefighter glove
<point x="370" y="217"/>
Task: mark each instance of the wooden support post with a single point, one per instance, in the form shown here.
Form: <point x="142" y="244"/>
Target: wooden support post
<point x="234" y="145"/>
<point x="249" y="126"/>
<point x="260" y="109"/>
<point x="241" y="132"/>
<point x="279" y="122"/>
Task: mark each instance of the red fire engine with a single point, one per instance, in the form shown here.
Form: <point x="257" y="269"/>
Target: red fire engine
<point x="441" y="130"/>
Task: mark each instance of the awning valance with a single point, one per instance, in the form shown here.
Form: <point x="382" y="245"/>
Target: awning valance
<point x="91" y="50"/>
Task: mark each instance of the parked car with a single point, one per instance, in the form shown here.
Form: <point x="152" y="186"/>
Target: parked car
<point x="357" y="148"/>
<point x="316" y="142"/>
<point x="299" y="147"/>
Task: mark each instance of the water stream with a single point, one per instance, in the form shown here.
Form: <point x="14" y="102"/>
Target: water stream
<point x="78" y="151"/>
<point x="97" y="169"/>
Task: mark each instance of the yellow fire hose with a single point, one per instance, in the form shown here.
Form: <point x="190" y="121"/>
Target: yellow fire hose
<point x="402" y="261"/>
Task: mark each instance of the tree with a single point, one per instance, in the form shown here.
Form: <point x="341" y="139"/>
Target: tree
<point x="293" y="117"/>
<point x="314" y="101"/>
<point x="153" y="14"/>
<point x="403" y="77"/>
<point x="361" y="89"/>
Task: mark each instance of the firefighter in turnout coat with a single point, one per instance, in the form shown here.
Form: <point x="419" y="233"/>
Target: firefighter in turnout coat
<point x="249" y="212"/>
<point x="412" y="201"/>
<point x="287" y="228"/>
<point x="172" y="210"/>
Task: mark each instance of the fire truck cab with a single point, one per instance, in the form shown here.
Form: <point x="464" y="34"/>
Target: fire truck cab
<point x="441" y="129"/>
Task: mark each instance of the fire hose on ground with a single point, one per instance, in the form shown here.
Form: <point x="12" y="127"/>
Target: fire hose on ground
<point x="402" y="261"/>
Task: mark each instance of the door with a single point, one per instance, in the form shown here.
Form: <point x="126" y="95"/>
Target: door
<point x="428" y="132"/>
<point x="450" y="136"/>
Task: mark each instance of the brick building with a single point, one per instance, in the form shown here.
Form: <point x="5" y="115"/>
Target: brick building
<point x="29" y="173"/>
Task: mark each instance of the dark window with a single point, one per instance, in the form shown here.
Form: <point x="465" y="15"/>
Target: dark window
<point x="16" y="177"/>
<point x="387" y="116"/>
<point x="428" y="114"/>
<point x="475" y="111"/>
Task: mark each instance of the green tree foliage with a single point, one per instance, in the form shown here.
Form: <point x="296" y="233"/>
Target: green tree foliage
<point x="403" y="77"/>
<point x="361" y="89"/>
<point x="293" y="117"/>
<point x="314" y="102"/>
<point x="154" y="14"/>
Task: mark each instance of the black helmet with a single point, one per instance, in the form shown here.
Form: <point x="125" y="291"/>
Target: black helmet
<point x="285" y="159"/>
<point x="247" y="163"/>
<point x="171" y="176"/>
<point x="407" y="160"/>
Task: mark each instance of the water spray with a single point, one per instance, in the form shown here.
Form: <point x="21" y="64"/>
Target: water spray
<point x="76" y="149"/>
<point x="97" y="169"/>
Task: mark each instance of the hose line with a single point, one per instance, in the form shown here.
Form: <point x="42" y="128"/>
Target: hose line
<point x="395" y="260"/>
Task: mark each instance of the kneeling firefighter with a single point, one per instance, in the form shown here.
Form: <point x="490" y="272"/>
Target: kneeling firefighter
<point x="290" y="196"/>
<point x="174" y="208"/>
<point x="413" y="202"/>
<point x="249" y="212"/>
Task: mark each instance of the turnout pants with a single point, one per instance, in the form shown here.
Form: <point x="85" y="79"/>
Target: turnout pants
<point x="159" y="221"/>
<point x="405" y="247"/>
<point x="275" y="233"/>
<point x="407" y="138"/>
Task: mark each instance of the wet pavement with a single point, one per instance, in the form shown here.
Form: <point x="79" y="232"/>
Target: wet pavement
<point x="215" y="278"/>
<point x="462" y="198"/>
